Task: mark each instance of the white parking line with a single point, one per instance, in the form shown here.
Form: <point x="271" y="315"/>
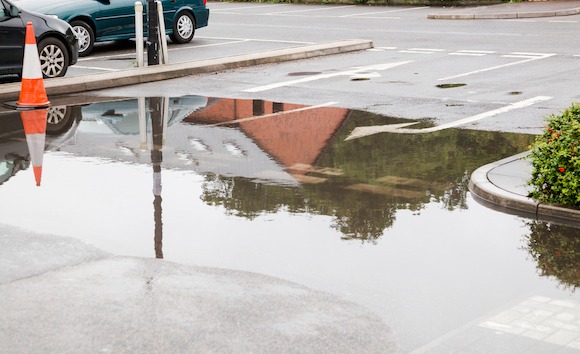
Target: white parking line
<point x="324" y="8"/>
<point x="421" y="50"/>
<point x="530" y="58"/>
<point x="468" y="54"/>
<point x="240" y="120"/>
<point x="244" y="8"/>
<point x="95" y="68"/>
<point x="473" y="53"/>
<point x="250" y="39"/>
<point x="355" y="71"/>
<point x="385" y="12"/>
<point x="360" y="132"/>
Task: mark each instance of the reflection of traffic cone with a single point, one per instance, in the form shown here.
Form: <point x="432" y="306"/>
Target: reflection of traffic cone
<point x="32" y="92"/>
<point x="34" y="122"/>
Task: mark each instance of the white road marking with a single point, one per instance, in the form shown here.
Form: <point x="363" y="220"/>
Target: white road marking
<point x="250" y="40"/>
<point x="323" y="8"/>
<point x="544" y="56"/>
<point x="428" y="49"/>
<point x="468" y="54"/>
<point x="360" y="132"/>
<point x="94" y="68"/>
<point x="421" y="50"/>
<point x="381" y="17"/>
<point x="475" y="53"/>
<point x="244" y="8"/>
<point x="357" y="70"/>
<point x="415" y="52"/>
<point x="384" y="12"/>
<point x="247" y="119"/>
<point x="562" y="21"/>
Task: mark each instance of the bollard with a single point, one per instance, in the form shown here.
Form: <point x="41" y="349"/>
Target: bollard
<point x="162" y="35"/>
<point x="139" y="32"/>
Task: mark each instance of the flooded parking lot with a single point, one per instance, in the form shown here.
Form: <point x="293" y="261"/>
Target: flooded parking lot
<point x="385" y="221"/>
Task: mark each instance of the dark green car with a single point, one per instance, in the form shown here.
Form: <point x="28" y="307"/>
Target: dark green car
<point x="110" y="20"/>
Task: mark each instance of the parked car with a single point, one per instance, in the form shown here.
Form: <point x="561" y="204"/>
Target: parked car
<point x="56" y="42"/>
<point x="110" y="20"/>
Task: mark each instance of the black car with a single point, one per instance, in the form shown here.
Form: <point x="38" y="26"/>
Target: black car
<point x="56" y="42"/>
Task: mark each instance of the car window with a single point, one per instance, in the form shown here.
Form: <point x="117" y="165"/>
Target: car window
<point x="3" y="11"/>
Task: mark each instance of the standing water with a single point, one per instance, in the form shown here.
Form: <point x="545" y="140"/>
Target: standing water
<point x="385" y="221"/>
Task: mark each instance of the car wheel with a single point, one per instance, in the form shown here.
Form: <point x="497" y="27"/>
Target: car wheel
<point x="53" y="57"/>
<point x="85" y="37"/>
<point x="60" y="119"/>
<point x="183" y="28"/>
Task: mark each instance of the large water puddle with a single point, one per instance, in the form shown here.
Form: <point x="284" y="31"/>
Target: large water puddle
<point x="385" y="220"/>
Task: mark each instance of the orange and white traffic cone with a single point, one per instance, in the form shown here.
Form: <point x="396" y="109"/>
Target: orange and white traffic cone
<point x="34" y="122"/>
<point x="32" y="91"/>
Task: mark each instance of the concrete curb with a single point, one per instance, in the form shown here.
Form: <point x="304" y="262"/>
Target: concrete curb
<point x="60" y="86"/>
<point x="494" y="197"/>
<point x="506" y="15"/>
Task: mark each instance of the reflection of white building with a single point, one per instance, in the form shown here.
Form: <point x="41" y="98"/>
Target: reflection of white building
<point x="111" y="130"/>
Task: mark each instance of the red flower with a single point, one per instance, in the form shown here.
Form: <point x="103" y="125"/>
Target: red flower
<point x="561" y="169"/>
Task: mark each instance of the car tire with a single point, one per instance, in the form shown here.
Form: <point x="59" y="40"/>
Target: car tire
<point x="183" y="28"/>
<point x="53" y="56"/>
<point x="60" y="119"/>
<point x="85" y="36"/>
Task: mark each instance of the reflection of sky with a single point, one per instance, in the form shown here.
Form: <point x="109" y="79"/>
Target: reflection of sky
<point x="429" y="274"/>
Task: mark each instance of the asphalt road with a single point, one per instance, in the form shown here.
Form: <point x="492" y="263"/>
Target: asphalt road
<point x="492" y="63"/>
<point x="505" y="75"/>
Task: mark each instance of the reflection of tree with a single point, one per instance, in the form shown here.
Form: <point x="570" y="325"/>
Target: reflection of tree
<point x="379" y="175"/>
<point x="556" y="249"/>
<point x="242" y="197"/>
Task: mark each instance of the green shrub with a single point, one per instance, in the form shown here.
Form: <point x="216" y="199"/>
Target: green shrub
<point x="555" y="159"/>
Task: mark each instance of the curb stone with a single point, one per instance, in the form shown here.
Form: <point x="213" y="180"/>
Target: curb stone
<point x="509" y="201"/>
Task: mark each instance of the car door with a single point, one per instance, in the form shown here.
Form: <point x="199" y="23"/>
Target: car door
<point x="12" y="30"/>
<point x="116" y="19"/>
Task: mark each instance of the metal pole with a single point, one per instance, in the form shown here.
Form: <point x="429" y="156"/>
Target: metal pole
<point x="139" y="32"/>
<point x="152" y="34"/>
<point x="162" y="36"/>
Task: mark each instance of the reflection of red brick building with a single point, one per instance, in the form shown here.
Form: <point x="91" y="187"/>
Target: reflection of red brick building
<point x="292" y="134"/>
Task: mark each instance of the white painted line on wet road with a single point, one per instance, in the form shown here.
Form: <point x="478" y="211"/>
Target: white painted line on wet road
<point x="277" y="114"/>
<point x="385" y="12"/>
<point x="312" y="9"/>
<point x="473" y="53"/>
<point x="415" y="52"/>
<point x="498" y="66"/>
<point x="358" y="70"/>
<point x="243" y="8"/>
<point x="234" y="40"/>
<point x="468" y="54"/>
<point x="360" y="132"/>
<point x="95" y="68"/>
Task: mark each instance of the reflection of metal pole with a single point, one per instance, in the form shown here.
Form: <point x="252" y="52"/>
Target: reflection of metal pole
<point x="156" y="160"/>
<point x="152" y="33"/>
<point x="142" y="122"/>
<point x="165" y="117"/>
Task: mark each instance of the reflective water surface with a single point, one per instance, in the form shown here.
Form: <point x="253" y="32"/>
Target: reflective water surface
<point x="385" y="221"/>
